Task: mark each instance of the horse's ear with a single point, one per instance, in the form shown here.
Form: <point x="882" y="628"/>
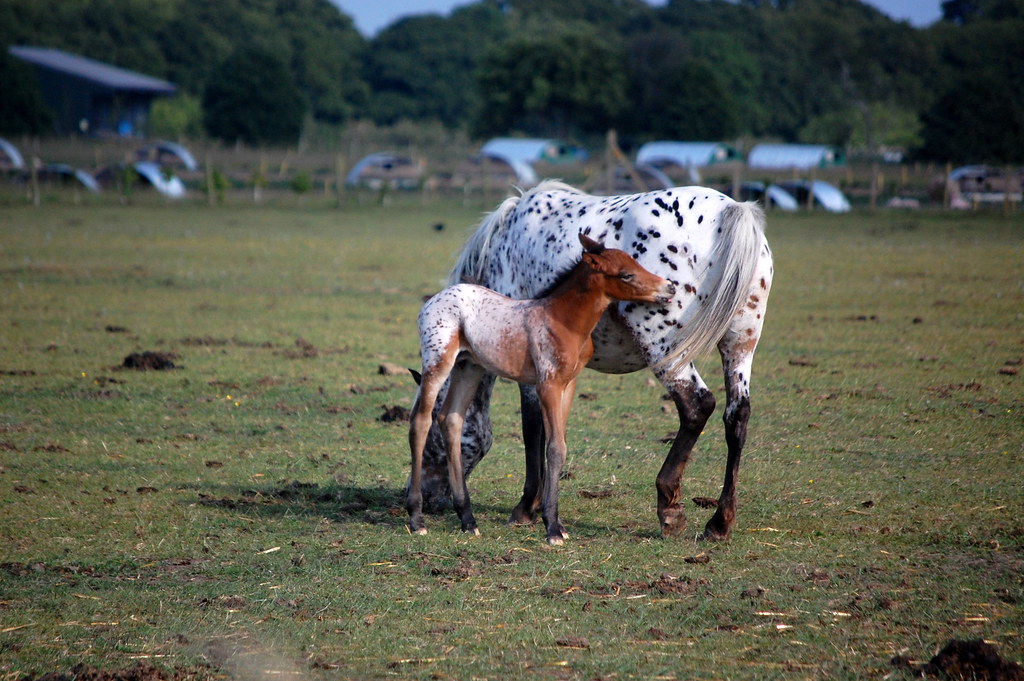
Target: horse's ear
<point x="591" y="246"/>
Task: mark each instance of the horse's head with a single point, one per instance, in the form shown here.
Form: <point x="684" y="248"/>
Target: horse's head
<point x="624" y="278"/>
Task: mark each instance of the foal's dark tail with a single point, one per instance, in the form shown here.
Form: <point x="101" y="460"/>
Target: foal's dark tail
<point x="734" y="255"/>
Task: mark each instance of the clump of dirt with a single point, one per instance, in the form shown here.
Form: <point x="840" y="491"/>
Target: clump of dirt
<point x="303" y="349"/>
<point x="962" y="660"/>
<point x="150" y="361"/>
<point x="973" y="660"/>
<point x="393" y="413"/>
<point x="685" y="586"/>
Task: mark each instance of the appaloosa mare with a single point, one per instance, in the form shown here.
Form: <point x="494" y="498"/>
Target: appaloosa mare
<point x="712" y="248"/>
<point x="468" y="330"/>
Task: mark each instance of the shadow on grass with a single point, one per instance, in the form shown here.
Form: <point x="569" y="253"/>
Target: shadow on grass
<point x="373" y="504"/>
<point x="341" y="502"/>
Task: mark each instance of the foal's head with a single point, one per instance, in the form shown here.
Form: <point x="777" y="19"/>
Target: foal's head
<point x="623" y="278"/>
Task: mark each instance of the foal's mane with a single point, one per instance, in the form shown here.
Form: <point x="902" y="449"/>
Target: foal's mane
<point x="560" y="279"/>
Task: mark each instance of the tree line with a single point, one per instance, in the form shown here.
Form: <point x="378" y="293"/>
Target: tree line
<point x="825" y="71"/>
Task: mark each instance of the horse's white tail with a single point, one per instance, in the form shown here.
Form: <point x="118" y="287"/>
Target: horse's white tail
<point x="735" y="254"/>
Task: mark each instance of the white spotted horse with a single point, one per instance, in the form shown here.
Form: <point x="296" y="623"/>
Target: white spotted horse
<point x="467" y="330"/>
<point x="713" y="250"/>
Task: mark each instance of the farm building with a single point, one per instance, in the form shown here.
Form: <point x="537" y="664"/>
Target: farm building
<point x="686" y="154"/>
<point x="167" y="154"/>
<point x="386" y="169"/>
<point x="10" y="157"/>
<point x="970" y="185"/>
<point x="91" y="97"/>
<point x="771" y="195"/>
<point x="624" y="179"/>
<point x="796" y="156"/>
<point x="681" y="161"/>
<point x="511" y="159"/>
<point x="818" y="192"/>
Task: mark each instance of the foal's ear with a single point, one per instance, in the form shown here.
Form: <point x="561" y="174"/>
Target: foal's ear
<point x="591" y="246"/>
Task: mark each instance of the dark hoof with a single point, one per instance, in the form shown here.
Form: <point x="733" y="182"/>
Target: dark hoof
<point x="709" y="535"/>
<point x="557" y="535"/>
<point x="673" y="521"/>
<point x="521" y="517"/>
<point x="719" y="527"/>
<point x="558" y="538"/>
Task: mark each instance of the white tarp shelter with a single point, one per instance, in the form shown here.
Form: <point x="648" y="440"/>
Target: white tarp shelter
<point x="798" y="156"/>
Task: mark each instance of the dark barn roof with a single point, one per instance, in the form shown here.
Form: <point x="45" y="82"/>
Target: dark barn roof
<point x="87" y="96"/>
<point x="95" y="72"/>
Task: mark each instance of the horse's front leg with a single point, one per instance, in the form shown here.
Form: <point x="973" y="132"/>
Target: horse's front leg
<point x="694" y="403"/>
<point x="461" y="389"/>
<point x="552" y="402"/>
<point x="525" y="512"/>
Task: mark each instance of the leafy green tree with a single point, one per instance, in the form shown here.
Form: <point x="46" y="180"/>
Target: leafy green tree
<point x="975" y="122"/>
<point x="175" y="117"/>
<point x="564" y="82"/>
<point x="252" y="97"/>
<point x="978" y="114"/>
<point x="694" y="105"/>
<point x="422" y="68"/>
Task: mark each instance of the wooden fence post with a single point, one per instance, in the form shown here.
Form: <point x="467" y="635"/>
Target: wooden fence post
<point x="339" y="180"/>
<point x="211" y="191"/>
<point x="945" y="187"/>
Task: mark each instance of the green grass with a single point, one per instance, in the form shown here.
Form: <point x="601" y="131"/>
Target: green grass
<point x="244" y="511"/>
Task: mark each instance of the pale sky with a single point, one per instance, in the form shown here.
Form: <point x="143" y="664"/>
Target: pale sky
<point x="371" y="16"/>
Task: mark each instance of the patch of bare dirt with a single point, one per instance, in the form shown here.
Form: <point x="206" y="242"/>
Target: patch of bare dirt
<point x="139" y="672"/>
<point x="393" y="413"/>
<point x="962" y="660"/>
<point x="150" y="361"/>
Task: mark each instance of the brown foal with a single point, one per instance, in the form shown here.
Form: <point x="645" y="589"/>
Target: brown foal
<point x="468" y="330"/>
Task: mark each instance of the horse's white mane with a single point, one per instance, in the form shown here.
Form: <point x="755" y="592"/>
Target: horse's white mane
<point x="473" y="259"/>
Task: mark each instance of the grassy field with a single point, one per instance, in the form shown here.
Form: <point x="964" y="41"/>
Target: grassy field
<point x="241" y="514"/>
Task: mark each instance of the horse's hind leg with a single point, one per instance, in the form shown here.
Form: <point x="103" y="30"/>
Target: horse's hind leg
<point x="461" y="390"/>
<point x="525" y="512"/>
<point x="694" y="403"/>
<point x="737" y="360"/>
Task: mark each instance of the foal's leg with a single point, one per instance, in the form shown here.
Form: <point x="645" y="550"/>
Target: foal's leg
<point x="525" y="512"/>
<point x="552" y="403"/>
<point x="435" y="372"/>
<point x="694" y="403"/>
<point x="419" y="427"/>
<point x="461" y="389"/>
